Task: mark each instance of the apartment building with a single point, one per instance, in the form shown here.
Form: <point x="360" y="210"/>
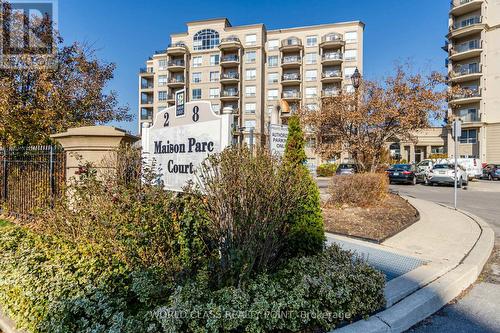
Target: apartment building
<point x="474" y="64"/>
<point x="251" y="69"/>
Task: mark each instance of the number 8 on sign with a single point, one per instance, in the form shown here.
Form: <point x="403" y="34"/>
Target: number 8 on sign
<point x="196" y="114"/>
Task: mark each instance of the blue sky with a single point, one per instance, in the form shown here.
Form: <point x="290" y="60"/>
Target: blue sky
<point x="128" y="32"/>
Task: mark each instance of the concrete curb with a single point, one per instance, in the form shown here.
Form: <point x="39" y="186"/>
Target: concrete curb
<point x="432" y="297"/>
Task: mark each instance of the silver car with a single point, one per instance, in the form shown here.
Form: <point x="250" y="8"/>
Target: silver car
<point x="445" y="174"/>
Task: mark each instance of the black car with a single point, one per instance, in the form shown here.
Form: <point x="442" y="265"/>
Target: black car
<point x="491" y="171"/>
<point x="402" y="173"/>
<point x="347" y="169"/>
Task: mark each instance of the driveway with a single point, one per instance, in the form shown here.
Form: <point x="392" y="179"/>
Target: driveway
<point x="478" y="309"/>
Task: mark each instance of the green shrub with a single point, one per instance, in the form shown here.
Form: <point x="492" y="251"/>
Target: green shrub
<point x="361" y="189"/>
<point x="326" y="170"/>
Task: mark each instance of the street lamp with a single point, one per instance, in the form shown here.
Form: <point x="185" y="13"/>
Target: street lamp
<point x="356" y="79"/>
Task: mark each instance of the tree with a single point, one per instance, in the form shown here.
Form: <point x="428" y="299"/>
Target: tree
<point x="295" y="143"/>
<point x="37" y="99"/>
<point x="362" y="123"/>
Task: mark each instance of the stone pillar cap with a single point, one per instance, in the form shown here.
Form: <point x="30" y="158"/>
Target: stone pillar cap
<point x="105" y="131"/>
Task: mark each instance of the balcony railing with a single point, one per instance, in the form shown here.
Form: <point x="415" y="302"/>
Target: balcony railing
<point x="146" y="70"/>
<point x="332" y="56"/>
<point x="230" y="58"/>
<point x="468" y="93"/>
<point x="334" y="74"/>
<point x="148" y="85"/>
<point x="467" y="22"/>
<point x="146" y="101"/>
<point x="290" y="76"/>
<point x="292" y="41"/>
<point x="178" y="44"/>
<point x="176" y="63"/>
<point x="231" y="39"/>
<point x="456" y="3"/>
<point x="291" y="94"/>
<point x="230" y="75"/>
<point x="291" y="59"/>
<point x="467" y="46"/>
<point x="466" y="70"/>
<point x="229" y="93"/>
<point x="334" y="37"/>
<point x="160" y="51"/>
<point x="178" y="79"/>
<point x="330" y="92"/>
<point x="470" y="118"/>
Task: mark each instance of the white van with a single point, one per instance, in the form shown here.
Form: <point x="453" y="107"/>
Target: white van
<point x="473" y="166"/>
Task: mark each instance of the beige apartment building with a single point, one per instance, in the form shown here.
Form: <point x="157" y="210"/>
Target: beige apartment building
<point x="474" y="64"/>
<point x="251" y="69"/>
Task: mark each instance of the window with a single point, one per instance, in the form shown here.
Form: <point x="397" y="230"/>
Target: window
<point x="311" y="58"/>
<point x="272" y="94"/>
<point x="249" y="124"/>
<point x="196" y="94"/>
<point x="272" y="61"/>
<point x="468" y="115"/>
<point x="214" y="76"/>
<point x="250" y="108"/>
<point x="350" y="54"/>
<point x="214" y="59"/>
<point x="250" y="91"/>
<point x="469" y="136"/>
<point x="197" y="61"/>
<point x="162" y="64"/>
<point x="311" y="92"/>
<point x="162" y="80"/>
<point x="250" y="57"/>
<point x="196" y="77"/>
<point x="146" y="114"/>
<point x="270" y="109"/>
<point x="311" y="40"/>
<point x="311" y="106"/>
<point x="311" y="75"/>
<point x="214" y="93"/>
<point x="351" y="37"/>
<point x="251" y="39"/>
<point x="216" y="108"/>
<point x="162" y="96"/>
<point x="273" y="44"/>
<point x="348" y="71"/>
<point x="205" y="39"/>
<point x="349" y="88"/>
<point x="251" y="74"/>
<point x="272" y="78"/>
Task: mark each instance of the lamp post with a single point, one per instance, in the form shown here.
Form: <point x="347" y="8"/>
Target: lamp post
<point x="356" y="79"/>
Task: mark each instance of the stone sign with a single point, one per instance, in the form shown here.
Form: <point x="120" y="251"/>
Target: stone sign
<point x="180" y="141"/>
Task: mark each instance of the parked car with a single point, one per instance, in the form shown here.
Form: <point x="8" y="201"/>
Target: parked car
<point x="347" y="169"/>
<point x="472" y="166"/>
<point x="491" y="172"/>
<point x="445" y="174"/>
<point x="402" y="173"/>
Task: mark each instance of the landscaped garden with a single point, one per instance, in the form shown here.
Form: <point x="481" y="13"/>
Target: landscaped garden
<point x="241" y="250"/>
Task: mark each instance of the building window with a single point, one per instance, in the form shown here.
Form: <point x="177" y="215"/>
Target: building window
<point x="351" y="37"/>
<point x="251" y="74"/>
<point x="348" y="71"/>
<point x="251" y="39"/>
<point x="311" y="92"/>
<point x="272" y="94"/>
<point x="162" y="96"/>
<point x="250" y="57"/>
<point x="469" y="136"/>
<point x="162" y="80"/>
<point x="196" y="93"/>
<point x="146" y="114"/>
<point x="273" y="44"/>
<point x="214" y="76"/>
<point x="250" y="108"/>
<point x="311" y="75"/>
<point x="197" y="61"/>
<point x="468" y="115"/>
<point x="216" y="108"/>
<point x="311" y="40"/>
<point x="196" y="77"/>
<point x="272" y="77"/>
<point x="214" y="93"/>
<point x="214" y="59"/>
<point x="311" y="58"/>
<point x="162" y="64"/>
<point x="351" y="54"/>
<point x="270" y="109"/>
<point x="250" y="91"/>
<point x="249" y="124"/>
<point x="272" y="61"/>
<point x="205" y="39"/>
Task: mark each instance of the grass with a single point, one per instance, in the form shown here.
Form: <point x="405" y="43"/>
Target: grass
<point x="4" y="223"/>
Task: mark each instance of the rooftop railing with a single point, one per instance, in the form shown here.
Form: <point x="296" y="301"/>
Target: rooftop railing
<point x="333" y="37"/>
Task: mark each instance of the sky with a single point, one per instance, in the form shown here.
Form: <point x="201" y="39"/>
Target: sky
<point x="127" y="32"/>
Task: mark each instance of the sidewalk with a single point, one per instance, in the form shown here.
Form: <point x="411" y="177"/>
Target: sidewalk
<point x="426" y="265"/>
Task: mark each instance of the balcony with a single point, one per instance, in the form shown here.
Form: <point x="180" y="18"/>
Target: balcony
<point x="466" y="97"/>
<point x="229" y="77"/>
<point x="230" y="43"/>
<point x="229" y="94"/>
<point x="332" y="41"/>
<point x="332" y="58"/>
<point x="147" y="101"/>
<point x="291" y="95"/>
<point x="147" y="85"/>
<point x="176" y="81"/>
<point x="146" y="71"/>
<point x="331" y="76"/>
<point x="176" y="65"/>
<point x="329" y="93"/>
<point x="177" y="48"/>
<point x="471" y="26"/>
<point x="470" y="49"/>
<point x="229" y="60"/>
<point x="470" y="119"/>
<point x="465" y="73"/>
<point x="291" y="44"/>
<point x="161" y="52"/>
<point x="291" y="61"/>
<point x="461" y="7"/>
<point x="290" y="79"/>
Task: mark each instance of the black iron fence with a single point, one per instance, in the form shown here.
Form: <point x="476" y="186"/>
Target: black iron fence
<point x="30" y="177"/>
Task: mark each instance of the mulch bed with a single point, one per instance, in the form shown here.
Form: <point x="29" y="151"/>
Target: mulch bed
<point x="375" y="223"/>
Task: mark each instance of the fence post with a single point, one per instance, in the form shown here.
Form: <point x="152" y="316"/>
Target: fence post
<point x="4" y="173"/>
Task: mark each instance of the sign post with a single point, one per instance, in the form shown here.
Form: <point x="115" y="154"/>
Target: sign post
<point x="182" y="137"/>
<point x="457" y="132"/>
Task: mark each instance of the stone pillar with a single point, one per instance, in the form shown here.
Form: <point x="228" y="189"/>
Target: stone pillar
<point x="93" y="144"/>
<point x="428" y="151"/>
<point x="411" y="158"/>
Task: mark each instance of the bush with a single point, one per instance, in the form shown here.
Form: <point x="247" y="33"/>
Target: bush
<point x="326" y="170"/>
<point x="361" y="189"/>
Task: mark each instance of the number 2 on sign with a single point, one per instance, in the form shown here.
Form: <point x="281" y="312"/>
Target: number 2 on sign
<point x="196" y="114"/>
<point x="166" y="116"/>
